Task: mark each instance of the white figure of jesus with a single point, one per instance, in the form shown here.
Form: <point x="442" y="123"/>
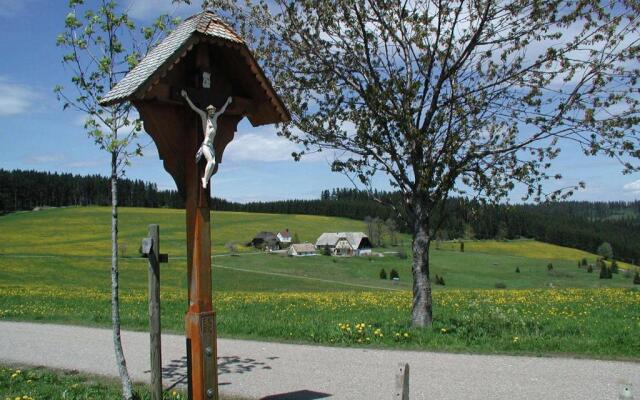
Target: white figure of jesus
<point x="209" y="127"/>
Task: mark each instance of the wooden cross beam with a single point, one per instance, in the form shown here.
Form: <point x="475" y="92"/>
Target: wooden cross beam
<point x="170" y="95"/>
<point x="148" y="251"/>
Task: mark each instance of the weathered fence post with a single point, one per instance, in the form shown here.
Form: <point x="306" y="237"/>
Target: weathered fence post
<point x="402" y="382"/>
<point x="151" y="250"/>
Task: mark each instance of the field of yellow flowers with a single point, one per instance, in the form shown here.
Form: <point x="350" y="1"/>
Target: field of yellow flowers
<point x="601" y="323"/>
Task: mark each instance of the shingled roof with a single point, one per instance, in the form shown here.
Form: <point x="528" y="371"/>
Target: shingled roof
<point x="175" y="46"/>
<point x="330" y="238"/>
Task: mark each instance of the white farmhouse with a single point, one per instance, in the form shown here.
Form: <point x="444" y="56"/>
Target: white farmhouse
<point x="345" y="243"/>
<point x="302" y="249"/>
<point x="284" y="238"/>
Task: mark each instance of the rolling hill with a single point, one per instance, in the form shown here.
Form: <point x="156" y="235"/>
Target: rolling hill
<point x="54" y="267"/>
<point x="71" y="247"/>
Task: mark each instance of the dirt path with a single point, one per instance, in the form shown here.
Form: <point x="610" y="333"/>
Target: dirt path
<point x="285" y="371"/>
<point x="309" y="278"/>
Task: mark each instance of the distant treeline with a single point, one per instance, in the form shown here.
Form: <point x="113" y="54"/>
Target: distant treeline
<point x="578" y="224"/>
<point x="582" y="225"/>
<point x="25" y="190"/>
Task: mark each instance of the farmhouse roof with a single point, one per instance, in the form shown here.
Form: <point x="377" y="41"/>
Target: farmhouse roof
<point x="331" y="238"/>
<point x="264" y="235"/>
<point x="203" y="26"/>
<point x="355" y="238"/>
<point x="285" y="233"/>
<point x="327" y="239"/>
<point x="304" y="247"/>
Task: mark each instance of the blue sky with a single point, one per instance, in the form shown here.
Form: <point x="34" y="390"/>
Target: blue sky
<point x="36" y="134"/>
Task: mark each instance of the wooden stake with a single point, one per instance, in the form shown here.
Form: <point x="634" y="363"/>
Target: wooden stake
<point x="402" y="382"/>
<point x="151" y="249"/>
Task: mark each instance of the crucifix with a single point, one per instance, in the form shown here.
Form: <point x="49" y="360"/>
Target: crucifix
<point x="201" y="63"/>
<point x="210" y="127"/>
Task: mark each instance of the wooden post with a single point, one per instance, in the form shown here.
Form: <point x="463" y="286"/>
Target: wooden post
<point x="402" y="382"/>
<point x="151" y="249"/>
<point x="200" y="322"/>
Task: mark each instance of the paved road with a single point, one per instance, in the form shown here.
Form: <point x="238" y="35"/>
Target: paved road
<point x="284" y="371"/>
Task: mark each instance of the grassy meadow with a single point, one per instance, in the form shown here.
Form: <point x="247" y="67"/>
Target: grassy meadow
<point x="39" y="383"/>
<point x="81" y="231"/>
<point x="54" y="267"/>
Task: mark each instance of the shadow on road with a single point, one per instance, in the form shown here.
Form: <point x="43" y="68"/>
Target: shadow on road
<point x="175" y="373"/>
<point x="298" y="395"/>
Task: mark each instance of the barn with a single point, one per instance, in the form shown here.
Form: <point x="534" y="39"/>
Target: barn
<point x="265" y="240"/>
<point x="345" y="243"/>
<point x="302" y="249"/>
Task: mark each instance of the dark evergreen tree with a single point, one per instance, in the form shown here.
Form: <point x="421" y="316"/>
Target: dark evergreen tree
<point x="605" y="272"/>
<point x="614" y="267"/>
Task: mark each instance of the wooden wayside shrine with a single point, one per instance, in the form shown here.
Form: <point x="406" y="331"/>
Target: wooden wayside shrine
<point x="211" y="62"/>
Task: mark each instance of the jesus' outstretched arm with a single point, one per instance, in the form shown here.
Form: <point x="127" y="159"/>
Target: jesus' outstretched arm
<point x="223" y="108"/>
<point x="193" y="106"/>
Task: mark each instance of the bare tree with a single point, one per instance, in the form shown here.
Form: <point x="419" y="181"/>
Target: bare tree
<point x="451" y="96"/>
<point x="392" y="230"/>
<point x="380" y="230"/>
<point x="102" y="44"/>
<point x="375" y="230"/>
<point x="468" y="233"/>
<point x="368" y="221"/>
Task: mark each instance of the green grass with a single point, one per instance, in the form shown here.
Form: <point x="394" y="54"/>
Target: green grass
<point x="17" y="383"/>
<point x="86" y="231"/>
<point x="54" y="267"/>
<point x="524" y="248"/>
<point x="597" y="323"/>
<point x="36" y="383"/>
<point x="468" y="270"/>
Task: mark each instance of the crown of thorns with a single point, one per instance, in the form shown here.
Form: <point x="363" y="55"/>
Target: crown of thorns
<point x="211" y="108"/>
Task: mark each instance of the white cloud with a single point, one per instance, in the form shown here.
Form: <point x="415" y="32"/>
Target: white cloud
<point x="84" y="164"/>
<point x="633" y="187"/>
<point x="149" y="9"/>
<point x="43" y="158"/>
<point x="14" y="98"/>
<point x="260" y="147"/>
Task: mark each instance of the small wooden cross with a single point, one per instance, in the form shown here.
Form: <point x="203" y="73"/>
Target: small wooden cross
<point x="151" y="250"/>
<point x="147" y="250"/>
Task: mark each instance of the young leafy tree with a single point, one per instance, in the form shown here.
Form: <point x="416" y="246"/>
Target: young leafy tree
<point x="605" y="251"/>
<point x="102" y="44"/>
<point x="450" y="96"/>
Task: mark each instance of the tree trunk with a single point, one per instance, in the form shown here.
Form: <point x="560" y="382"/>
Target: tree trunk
<point x="422" y="311"/>
<point x="127" y="392"/>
